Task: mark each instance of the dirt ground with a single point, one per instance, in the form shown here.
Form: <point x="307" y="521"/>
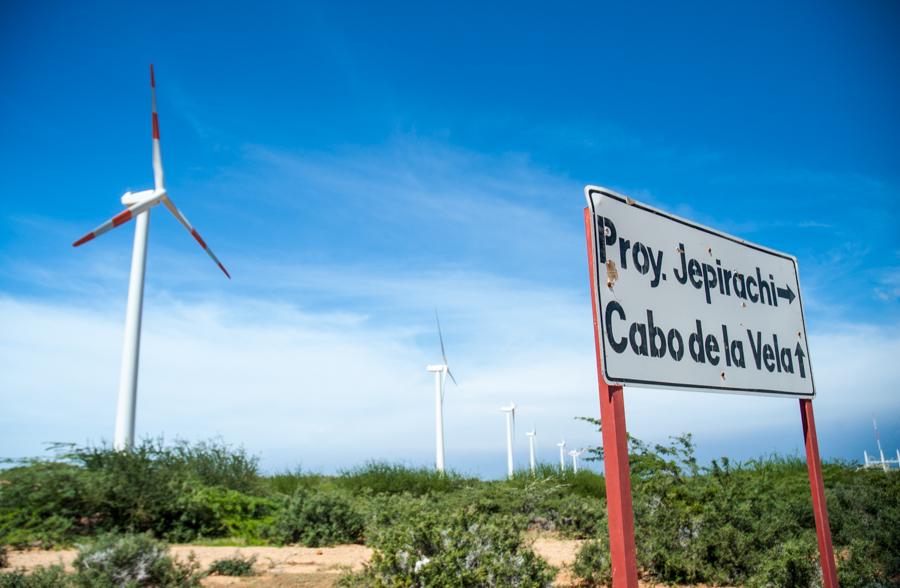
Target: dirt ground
<point x="299" y="567"/>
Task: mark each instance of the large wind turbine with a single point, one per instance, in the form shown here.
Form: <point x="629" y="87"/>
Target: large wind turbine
<point x="510" y="430"/>
<point x="562" y="455"/>
<point x="441" y="371"/>
<point x="531" y="435"/>
<point x="138" y="205"/>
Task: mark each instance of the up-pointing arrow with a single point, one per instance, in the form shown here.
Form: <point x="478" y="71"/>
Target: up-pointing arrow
<point x="786" y="293"/>
<point x="798" y="352"/>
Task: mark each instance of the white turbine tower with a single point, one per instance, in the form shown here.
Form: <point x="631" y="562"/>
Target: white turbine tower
<point x="562" y="455"/>
<point x="441" y="371"/>
<point x="138" y="205"/>
<point x="575" y="454"/>
<point x="531" y="436"/>
<point x="510" y="431"/>
<point x="884" y="465"/>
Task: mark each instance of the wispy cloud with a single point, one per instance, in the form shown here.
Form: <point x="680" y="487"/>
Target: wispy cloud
<point x="315" y="353"/>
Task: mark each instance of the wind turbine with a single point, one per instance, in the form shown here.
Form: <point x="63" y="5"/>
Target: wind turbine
<point x="531" y="436"/>
<point x="138" y="205"/>
<point x="441" y="371"/>
<point x="884" y="465"/>
<point x="575" y="453"/>
<point x="510" y="431"/>
<point x="562" y="455"/>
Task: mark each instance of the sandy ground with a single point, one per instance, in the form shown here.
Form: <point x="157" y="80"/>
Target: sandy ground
<point x="299" y="567"/>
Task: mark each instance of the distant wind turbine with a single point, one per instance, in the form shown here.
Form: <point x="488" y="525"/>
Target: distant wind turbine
<point x="441" y="371"/>
<point x="884" y="465"/>
<point x="531" y="436"/>
<point x="562" y="455"/>
<point x="575" y="453"/>
<point x="138" y="205"/>
<point x="510" y="431"/>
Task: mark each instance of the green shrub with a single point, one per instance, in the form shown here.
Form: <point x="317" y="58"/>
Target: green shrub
<point x="218" y="512"/>
<point x="860" y="567"/>
<point x="459" y="549"/>
<point x="316" y="519"/>
<point x="387" y="478"/>
<point x="132" y="560"/>
<point x="40" y="577"/>
<point x="238" y="565"/>
<point x="575" y="516"/>
<point x="211" y="463"/>
<point x="45" y="502"/>
<point x="793" y="564"/>
<point x="178" y="492"/>
<point x="592" y="564"/>
<point x="288" y="482"/>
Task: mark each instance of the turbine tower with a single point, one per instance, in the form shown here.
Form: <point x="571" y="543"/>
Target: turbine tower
<point x="562" y="455"/>
<point x="575" y="454"/>
<point x="510" y="431"/>
<point x="884" y="464"/>
<point x="531" y="435"/>
<point x="441" y="371"/>
<point x="138" y="205"/>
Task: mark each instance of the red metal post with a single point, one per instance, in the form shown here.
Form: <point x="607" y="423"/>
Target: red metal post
<point x="615" y="456"/>
<point x="823" y="531"/>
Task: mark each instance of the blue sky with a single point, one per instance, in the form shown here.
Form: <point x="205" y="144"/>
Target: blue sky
<point x="355" y="165"/>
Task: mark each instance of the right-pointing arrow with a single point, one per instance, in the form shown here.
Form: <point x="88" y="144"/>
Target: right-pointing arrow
<point x="786" y="293"/>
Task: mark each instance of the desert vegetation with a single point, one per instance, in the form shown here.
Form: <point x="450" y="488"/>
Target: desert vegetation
<point x="722" y="523"/>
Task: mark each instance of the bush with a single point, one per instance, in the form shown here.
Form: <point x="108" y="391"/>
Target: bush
<point x="453" y="549"/>
<point x="39" y="577"/>
<point x="43" y="501"/>
<point x="387" y="478"/>
<point x="132" y="560"/>
<point x="316" y="519"/>
<point x="792" y="564"/>
<point x="592" y="564"/>
<point x="177" y="492"/>
<point x="238" y="565"/>
<point x="217" y="512"/>
<point x="860" y="569"/>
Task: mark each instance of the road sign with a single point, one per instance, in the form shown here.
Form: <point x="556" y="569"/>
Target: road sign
<point x="681" y="305"/>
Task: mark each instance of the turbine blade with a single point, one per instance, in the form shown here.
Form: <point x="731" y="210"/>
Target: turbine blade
<point x="187" y="225"/>
<point x="158" y="179"/>
<point x="441" y="338"/>
<point x="118" y="220"/>
<point x="449" y="373"/>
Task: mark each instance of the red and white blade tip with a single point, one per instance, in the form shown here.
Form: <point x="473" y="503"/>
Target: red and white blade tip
<point x="120" y="219"/>
<point x="152" y="78"/>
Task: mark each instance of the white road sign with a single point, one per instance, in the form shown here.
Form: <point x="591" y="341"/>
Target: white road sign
<point x="681" y="305"/>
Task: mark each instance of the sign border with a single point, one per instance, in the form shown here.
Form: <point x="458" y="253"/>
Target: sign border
<point x="589" y="191"/>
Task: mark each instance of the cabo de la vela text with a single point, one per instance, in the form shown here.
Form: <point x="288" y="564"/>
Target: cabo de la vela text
<point x="645" y="337"/>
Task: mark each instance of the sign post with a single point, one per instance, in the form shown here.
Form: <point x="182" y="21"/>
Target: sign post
<point x="820" y="510"/>
<point x="679" y="305"/>
<point x="615" y="457"/>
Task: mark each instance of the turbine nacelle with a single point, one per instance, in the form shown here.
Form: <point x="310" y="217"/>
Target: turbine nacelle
<point x="144" y="196"/>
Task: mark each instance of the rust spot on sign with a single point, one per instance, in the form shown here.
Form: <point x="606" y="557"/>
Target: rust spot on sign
<point x="612" y="274"/>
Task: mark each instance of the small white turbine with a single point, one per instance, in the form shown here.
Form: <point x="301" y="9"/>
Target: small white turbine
<point x="884" y="464"/>
<point x="441" y="371"/>
<point x="562" y="455"/>
<point x="531" y="436"/>
<point x="510" y="431"/>
<point x="575" y="453"/>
